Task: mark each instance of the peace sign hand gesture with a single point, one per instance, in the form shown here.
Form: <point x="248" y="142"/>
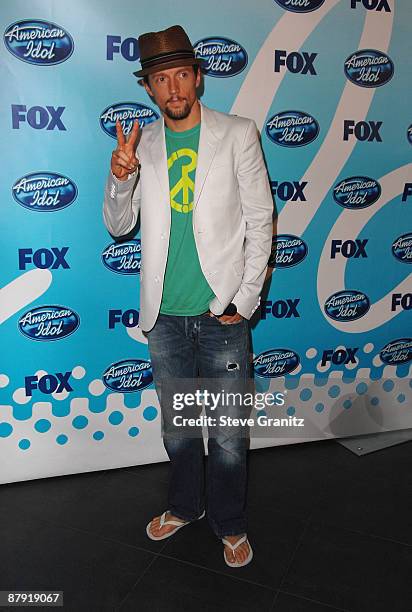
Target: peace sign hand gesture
<point x="124" y="160"/>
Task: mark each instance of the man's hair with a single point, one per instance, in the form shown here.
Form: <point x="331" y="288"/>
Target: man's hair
<point x="194" y="66"/>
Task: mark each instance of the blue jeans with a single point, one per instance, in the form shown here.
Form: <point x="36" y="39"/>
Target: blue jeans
<point x="189" y="347"/>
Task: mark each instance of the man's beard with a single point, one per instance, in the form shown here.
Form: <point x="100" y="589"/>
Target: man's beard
<point x="178" y="114"/>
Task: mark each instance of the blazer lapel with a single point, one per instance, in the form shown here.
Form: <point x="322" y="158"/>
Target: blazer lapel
<point x="208" y="142"/>
<point x="159" y="158"/>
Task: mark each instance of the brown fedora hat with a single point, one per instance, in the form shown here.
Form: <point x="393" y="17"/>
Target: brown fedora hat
<point x="168" y="48"/>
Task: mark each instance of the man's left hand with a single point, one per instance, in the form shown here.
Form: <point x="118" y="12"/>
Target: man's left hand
<point x="227" y="319"/>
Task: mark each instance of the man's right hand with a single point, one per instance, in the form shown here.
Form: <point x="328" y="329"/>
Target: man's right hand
<point x="124" y="160"/>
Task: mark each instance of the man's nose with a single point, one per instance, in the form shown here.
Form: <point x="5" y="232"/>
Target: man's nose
<point x="174" y="85"/>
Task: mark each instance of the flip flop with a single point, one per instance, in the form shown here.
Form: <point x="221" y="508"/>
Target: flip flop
<point x="233" y="548"/>
<point x="163" y="521"/>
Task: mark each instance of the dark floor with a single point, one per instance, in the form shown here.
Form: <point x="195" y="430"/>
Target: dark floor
<point x="330" y="531"/>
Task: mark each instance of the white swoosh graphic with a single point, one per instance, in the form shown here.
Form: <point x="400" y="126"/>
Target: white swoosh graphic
<point x="262" y="83"/>
<point x="331" y="274"/>
<point x="22" y="291"/>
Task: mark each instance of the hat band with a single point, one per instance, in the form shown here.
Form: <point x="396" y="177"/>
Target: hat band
<point x="167" y="57"/>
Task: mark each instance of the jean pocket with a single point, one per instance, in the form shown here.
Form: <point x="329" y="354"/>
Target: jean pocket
<point x="229" y="324"/>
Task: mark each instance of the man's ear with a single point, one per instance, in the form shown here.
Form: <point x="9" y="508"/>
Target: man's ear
<point x="198" y="78"/>
<point x="147" y="88"/>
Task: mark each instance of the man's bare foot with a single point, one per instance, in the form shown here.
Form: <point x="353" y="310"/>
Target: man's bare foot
<point x="158" y="531"/>
<point x="241" y="552"/>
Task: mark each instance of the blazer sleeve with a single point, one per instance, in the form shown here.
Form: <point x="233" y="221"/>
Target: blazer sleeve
<point x="121" y="204"/>
<point x="257" y="208"/>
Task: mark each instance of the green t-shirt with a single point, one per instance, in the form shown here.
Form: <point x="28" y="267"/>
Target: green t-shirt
<point x="185" y="289"/>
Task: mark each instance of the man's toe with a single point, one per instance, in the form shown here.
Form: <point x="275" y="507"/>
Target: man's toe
<point x="155" y="527"/>
<point x="239" y="555"/>
<point x="245" y="551"/>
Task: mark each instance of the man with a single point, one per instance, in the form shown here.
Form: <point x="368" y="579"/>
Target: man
<point x="199" y="182"/>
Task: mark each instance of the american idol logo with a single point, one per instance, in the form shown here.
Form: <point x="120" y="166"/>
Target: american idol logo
<point x="38" y="42"/>
<point x="347" y="305"/>
<point x="397" y="351"/>
<point x="287" y="250"/>
<point x="48" y="322"/>
<point x="275" y="362"/>
<point x="300" y="6"/>
<point x="402" y="248"/>
<point x="123" y="257"/>
<point x="128" y="375"/>
<point x="292" y="128"/>
<point x="44" y="191"/>
<point x="126" y="113"/>
<point x="357" y="192"/>
<point x="369" y="68"/>
<point x="221" y="57"/>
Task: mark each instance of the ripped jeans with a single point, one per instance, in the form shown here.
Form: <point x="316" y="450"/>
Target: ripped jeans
<point x="201" y="347"/>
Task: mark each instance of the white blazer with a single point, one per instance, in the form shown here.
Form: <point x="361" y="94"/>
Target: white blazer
<point x="232" y="212"/>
